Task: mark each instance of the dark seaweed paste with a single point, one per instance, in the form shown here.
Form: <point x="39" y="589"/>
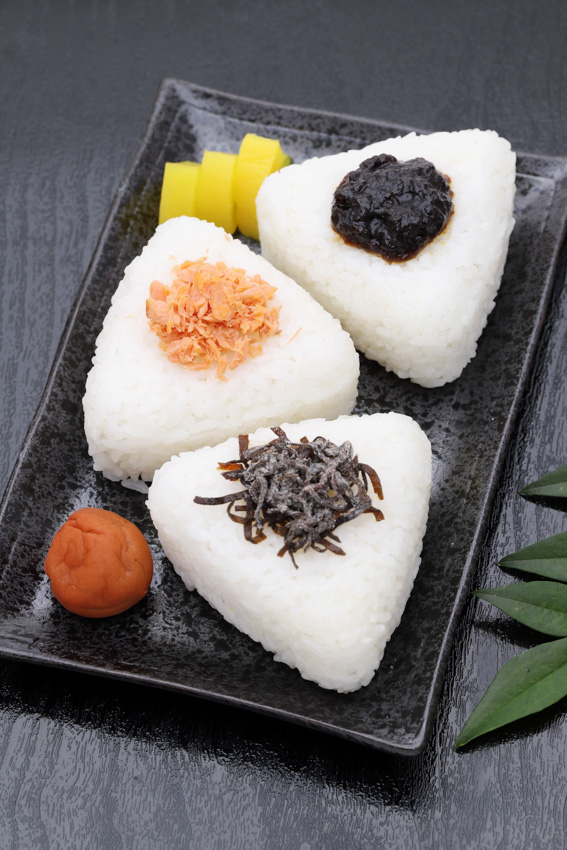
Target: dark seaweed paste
<point x="302" y="491"/>
<point x="392" y="208"/>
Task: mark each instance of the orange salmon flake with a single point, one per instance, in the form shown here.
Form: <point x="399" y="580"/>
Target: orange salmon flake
<point x="212" y="314"/>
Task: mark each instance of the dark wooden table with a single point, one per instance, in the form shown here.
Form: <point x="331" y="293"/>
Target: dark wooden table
<point x="91" y="763"/>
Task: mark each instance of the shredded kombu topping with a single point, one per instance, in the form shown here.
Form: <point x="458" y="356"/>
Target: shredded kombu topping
<point x="303" y="491"/>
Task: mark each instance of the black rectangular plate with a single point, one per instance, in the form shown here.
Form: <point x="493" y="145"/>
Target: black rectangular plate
<point x="173" y="639"/>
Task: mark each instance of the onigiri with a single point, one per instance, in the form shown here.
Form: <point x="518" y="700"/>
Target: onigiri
<point x="420" y="318"/>
<point x="329" y="615"/>
<point x="141" y="408"/>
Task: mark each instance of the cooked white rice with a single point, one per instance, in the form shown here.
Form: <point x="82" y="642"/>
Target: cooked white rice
<point x="140" y="409"/>
<point x="420" y="318"/>
<point x="332" y="616"/>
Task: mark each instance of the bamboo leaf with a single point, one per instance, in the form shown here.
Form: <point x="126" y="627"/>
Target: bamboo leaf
<point x="541" y="605"/>
<point x="554" y="484"/>
<point x="547" y="558"/>
<point x="525" y="685"/>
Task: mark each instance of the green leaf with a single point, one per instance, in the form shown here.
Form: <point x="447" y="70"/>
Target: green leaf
<point x="547" y="558"/>
<point x="541" y="605"/>
<point x="528" y="683"/>
<point x="554" y="484"/>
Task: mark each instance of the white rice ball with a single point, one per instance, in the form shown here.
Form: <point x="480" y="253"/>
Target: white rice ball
<point x="420" y="318"/>
<point x="140" y="408"/>
<point x="332" y="616"/>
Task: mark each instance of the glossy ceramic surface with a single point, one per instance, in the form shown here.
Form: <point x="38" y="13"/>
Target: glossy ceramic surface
<point x="173" y="638"/>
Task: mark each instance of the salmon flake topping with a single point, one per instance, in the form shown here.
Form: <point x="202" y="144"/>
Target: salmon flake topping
<point x="212" y="314"/>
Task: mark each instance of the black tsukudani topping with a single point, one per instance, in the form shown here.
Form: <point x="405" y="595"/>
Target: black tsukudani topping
<point x="392" y="208"/>
<point x="302" y="491"/>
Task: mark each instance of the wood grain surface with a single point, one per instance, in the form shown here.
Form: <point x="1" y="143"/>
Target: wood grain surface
<point x="90" y="763"/>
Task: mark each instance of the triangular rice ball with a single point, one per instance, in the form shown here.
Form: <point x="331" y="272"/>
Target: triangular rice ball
<point x="140" y="408"/>
<point x="332" y="615"/>
<point x="420" y="318"/>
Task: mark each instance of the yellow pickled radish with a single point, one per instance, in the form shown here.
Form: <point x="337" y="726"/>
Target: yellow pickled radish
<point x="178" y="190"/>
<point x="257" y="158"/>
<point x="215" y="192"/>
